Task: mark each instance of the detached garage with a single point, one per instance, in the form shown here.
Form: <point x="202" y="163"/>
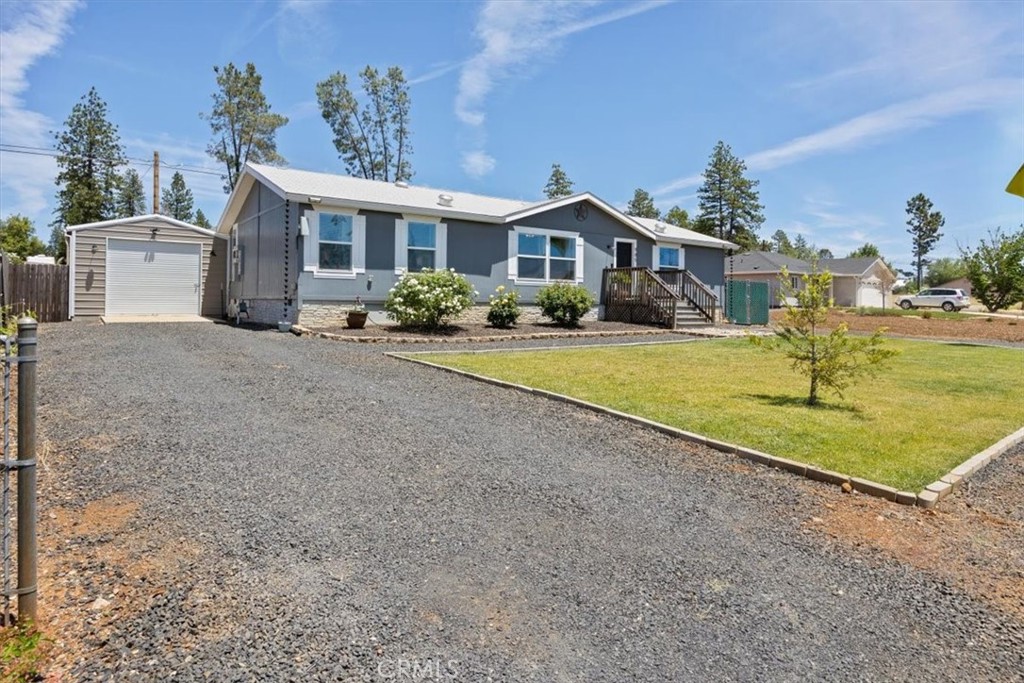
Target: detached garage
<point x="145" y="265"/>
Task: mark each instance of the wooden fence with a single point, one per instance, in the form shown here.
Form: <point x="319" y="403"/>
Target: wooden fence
<point x="38" y="287"/>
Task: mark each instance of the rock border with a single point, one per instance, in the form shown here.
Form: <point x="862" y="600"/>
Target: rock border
<point x="926" y="498"/>
<point x="303" y="331"/>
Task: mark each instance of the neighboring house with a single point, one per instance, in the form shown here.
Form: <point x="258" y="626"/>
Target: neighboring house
<point x="855" y="281"/>
<point x="304" y="245"/>
<point x="959" y="283"/>
<point x="145" y="265"/>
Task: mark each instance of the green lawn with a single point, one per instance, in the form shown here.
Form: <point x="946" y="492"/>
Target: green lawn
<point x="936" y="405"/>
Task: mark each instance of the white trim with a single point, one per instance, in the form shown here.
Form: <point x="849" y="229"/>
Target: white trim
<point x="402" y="247"/>
<point x="99" y="225"/>
<point x="311" y="244"/>
<point x="513" y="256"/>
<point x="420" y="218"/>
<point x="106" y="267"/>
<point x="72" y="245"/>
<point x="615" y="252"/>
<point x="656" y="259"/>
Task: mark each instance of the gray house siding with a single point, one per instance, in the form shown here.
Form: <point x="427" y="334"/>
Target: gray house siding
<point x="269" y="256"/>
<point x="708" y="265"/>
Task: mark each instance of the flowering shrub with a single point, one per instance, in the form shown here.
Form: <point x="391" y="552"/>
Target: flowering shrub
<point x="429" y="298"/>
<point x="565" y="303"/>
<point x="504" y="311"/>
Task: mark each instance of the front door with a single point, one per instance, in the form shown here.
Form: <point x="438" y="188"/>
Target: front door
<point x="623" y="254"/>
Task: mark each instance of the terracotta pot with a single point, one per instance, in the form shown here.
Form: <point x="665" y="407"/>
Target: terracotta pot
<point x="356" y="319"/>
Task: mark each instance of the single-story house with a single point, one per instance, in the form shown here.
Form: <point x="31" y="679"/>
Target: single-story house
<point x="856" y="282"/>
<point x="959" y="283"/>
<point x="145" y="265"/>
<point x="305" y="245"/>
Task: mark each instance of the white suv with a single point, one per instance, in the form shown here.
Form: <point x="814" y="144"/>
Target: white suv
<point x="946" y="299"/>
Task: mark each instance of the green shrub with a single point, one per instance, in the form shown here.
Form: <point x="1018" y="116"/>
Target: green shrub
<point x="504" y="310"/>
<point x="926" y="314"/>
<point x="429" y="299"/>
<point x="565" y="303"/>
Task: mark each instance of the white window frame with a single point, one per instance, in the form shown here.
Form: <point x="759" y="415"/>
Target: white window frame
<point x="513" y="254"/>
<point x="402" y="242"/>
<point x="615" y="251"/>
<point x="311" y="251"/>
<point x="656" y="255"/>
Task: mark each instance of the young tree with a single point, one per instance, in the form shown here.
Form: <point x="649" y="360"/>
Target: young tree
<point x="243" y="127"/>
<point x="642" y="205"/>
<point x="831" y="361"/>
<point x="176" y="201"/>
<point x="943" y="270"/>
<point x="559" y="184"/>
<point x="89" y="152"/>
<point x="201" y="220"/>
<point x="677" y="216"/>
<point x="131" y="196"/>
<point x="867" y="249"/>
<point x="730" y="207"/>
<point x="373" y="141"/>
<point x="996" y="269"/>
<point x="923" y="227"/>
<point x="18" y="239"/>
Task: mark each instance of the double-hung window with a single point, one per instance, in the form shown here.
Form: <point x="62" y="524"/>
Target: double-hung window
<point x="334" y="243"/>
<point x="422" y="246"/>
<point x="545" y="255"/>
<point x="420" y="242"/>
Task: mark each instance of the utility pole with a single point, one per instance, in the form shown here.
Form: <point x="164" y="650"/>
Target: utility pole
<point x="156" y="182"/>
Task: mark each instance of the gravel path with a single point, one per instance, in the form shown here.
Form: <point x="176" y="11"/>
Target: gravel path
<point x="256" y="506"/>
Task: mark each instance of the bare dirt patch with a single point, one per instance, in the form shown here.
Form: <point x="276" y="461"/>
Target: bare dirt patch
<point x="974" y="538"/>
<point x="961" y="327"/>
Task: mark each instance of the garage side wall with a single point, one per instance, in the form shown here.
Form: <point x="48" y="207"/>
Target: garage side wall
<point x="266" y="234"/>
<point x="89" y="278"/>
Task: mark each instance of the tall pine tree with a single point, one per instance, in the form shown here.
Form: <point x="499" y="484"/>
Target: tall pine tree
<point x="176" y="201"/>
<point x="642" y="205"/>
<point x="373" y="141"/>
<point x="243" y="127"/>
<point x="131" y="196"/>
<point x="678" y="216"/>
<point x="730" y="207"/>
<point x="201" y="220"/>
<point x="559" y="184"/>
<point x="89" y="153"/>
<point x="923" y="227"/>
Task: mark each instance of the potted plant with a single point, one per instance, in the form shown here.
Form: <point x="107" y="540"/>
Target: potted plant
<point x="356" y="318"/>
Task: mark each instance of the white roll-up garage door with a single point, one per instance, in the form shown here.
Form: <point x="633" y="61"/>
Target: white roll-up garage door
<point x="146" y="277"/>
<point x="869" y="295"/>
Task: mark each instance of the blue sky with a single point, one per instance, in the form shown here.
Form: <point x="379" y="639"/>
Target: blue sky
<point x="843" y="111"/>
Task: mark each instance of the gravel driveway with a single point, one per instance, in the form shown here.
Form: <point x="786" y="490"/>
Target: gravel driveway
<point x="256" y="506"/>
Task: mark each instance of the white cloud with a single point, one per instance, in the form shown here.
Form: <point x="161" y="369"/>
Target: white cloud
<point x="478" y="163"/>
<point x="30" y="32"/>
<point x="875" y="126"/>
<point x="516" y="36"/>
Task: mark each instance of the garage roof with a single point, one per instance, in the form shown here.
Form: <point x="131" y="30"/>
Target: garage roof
<point x="148" y="218"/>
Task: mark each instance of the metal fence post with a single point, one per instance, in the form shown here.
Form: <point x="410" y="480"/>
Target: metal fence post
<point x="27" y="339"/>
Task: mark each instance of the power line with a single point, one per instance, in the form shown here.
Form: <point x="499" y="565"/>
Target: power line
<point x="44" y="151"/>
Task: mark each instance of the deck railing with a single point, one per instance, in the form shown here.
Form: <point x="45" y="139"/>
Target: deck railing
<point x="690" y="289"/>
<point x="637" y="295"/>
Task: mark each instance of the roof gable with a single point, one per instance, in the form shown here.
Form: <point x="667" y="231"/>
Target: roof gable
<point x="766" y="262"/>
<point x="148" y="218"/>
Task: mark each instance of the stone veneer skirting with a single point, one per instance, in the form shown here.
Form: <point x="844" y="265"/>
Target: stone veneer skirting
<point x="332" y="314"/>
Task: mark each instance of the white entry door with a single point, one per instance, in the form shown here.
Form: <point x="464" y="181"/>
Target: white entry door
<point x="146" y="277"/>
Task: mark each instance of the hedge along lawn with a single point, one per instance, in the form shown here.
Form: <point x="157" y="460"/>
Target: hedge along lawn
<point x="935" y="405"/>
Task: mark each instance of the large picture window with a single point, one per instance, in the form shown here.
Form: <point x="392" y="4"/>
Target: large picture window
<point x="544" y="256"/>
<point x="335" y="231"/>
